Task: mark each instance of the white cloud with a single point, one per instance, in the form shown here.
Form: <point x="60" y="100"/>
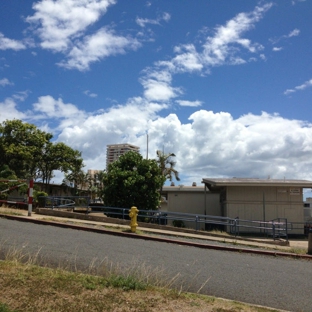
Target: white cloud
<point x="143" y="21"/>
<point x="9" y="110"/>
<point x="62" y="27"/>
<point x="157" y="85"/>
<point x="220" y="49"/>
<point x="189" y="103"/>
<point x="293" y="2"/>
<point x="294" y="33"/>
<point x="93" y="48"/>
<point x="209" y="144"/>
<point x="66" y="114"/>
<point x="5" y="82"/>
<point x="59" y="22"/>
<point x="90" y="94"/>
<point x="6" y="44"/>
<point x="277" y="49"/>
<point x="187" y="59"/>
<point x="305" y="85"/>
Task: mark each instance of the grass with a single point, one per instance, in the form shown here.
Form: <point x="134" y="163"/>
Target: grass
<point x="12" y="212"/>
<point x="25" y="286"/>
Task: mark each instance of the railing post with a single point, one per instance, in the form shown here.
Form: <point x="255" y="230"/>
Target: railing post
<point x="196" y="223"/>
<point x="236" y="226"/>
<point x="273" y="229"/>
<point x="310" y="242"/>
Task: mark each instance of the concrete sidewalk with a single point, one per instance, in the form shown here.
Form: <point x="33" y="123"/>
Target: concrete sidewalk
<point x="168" y="234"/>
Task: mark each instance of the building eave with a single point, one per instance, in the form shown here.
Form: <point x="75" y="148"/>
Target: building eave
<point x="220" y="182"/>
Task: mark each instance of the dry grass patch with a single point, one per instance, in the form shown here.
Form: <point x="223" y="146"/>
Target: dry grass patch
<point x="28" y="287"/>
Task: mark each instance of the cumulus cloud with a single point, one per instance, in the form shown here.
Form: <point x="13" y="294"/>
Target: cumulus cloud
<point x="65" y="114"/>
<point x="302" y="87"/>
<point x="95" y="47"/>
<point x="62" y="25"/>
<point x="209" y="144"/>
<point x="157" y="86"/>
<point x="58" y="22"/>
<point x="6" y="44"/>
<point x="9" y="110"/>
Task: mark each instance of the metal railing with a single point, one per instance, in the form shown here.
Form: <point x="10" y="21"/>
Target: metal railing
<point x="277" y="228"/>
<point x="161" y="217"/>
<point x="66" y="201"/>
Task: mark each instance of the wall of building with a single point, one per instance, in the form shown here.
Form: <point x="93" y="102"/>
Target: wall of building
<point x="193" y="202"/>
<point x="259" y="203"/>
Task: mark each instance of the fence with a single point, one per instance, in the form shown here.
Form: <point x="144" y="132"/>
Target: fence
<point x="277" y="228"/>
<point x="29" y="193"/>
<point x="65" y="201"/>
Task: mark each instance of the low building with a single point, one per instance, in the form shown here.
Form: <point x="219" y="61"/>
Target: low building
<point x="260" y="199"/>
<point x="189" y="199"/>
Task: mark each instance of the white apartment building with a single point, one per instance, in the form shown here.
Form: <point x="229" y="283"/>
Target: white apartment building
<point x="114" y="151"/>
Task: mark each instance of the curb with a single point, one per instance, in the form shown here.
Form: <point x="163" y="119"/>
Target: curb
<point x="158" y="239"/>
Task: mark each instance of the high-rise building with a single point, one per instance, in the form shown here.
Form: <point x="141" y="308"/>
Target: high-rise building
<point x="114" y="151"/>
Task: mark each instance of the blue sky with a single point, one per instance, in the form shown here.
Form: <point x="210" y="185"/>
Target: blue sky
<point x="225" y="85"/>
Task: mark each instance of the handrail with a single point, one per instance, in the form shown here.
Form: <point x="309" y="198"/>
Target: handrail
<point x="276" y="228"/>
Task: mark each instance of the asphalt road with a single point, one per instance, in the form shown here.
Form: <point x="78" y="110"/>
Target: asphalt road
<point x="281" y="283"/>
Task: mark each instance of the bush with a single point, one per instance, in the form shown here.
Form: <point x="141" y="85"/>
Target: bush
<point x="39" y="198"/>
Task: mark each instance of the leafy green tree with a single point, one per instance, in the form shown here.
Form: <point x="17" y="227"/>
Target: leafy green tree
<point x="29" y="152"/>
<point x="132" y="181"/>
<point x="79" y="178"/>
<point x="7" y="173"/>
<point x="21" y="144"/>
<point x="57" y="156"/>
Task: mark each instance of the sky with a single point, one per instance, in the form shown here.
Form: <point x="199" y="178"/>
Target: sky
<point x="225" y="85"/>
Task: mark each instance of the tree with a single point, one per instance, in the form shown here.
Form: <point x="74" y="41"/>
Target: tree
<point x="166" y="165"/>
<point x="79" y="179"/>
<point x="57" y="156"/>
<point x="6" y="174"/>
<point x="29" y="152"/>
<point x="20" y="145"/>
<point x="95" y="183"/>
<point x="132" y="181"/>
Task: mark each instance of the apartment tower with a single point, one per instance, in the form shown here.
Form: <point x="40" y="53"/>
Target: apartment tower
<point x="114" y="151"/>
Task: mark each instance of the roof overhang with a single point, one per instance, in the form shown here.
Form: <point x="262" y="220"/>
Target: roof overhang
<point x="219" y="183"/>
<point x="182" y="188"/>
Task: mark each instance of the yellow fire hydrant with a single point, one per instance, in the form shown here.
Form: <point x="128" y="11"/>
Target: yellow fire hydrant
<point x="133" y="215"/>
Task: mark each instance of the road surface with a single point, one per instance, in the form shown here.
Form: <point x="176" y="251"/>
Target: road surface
<point x="282" y="283"/>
